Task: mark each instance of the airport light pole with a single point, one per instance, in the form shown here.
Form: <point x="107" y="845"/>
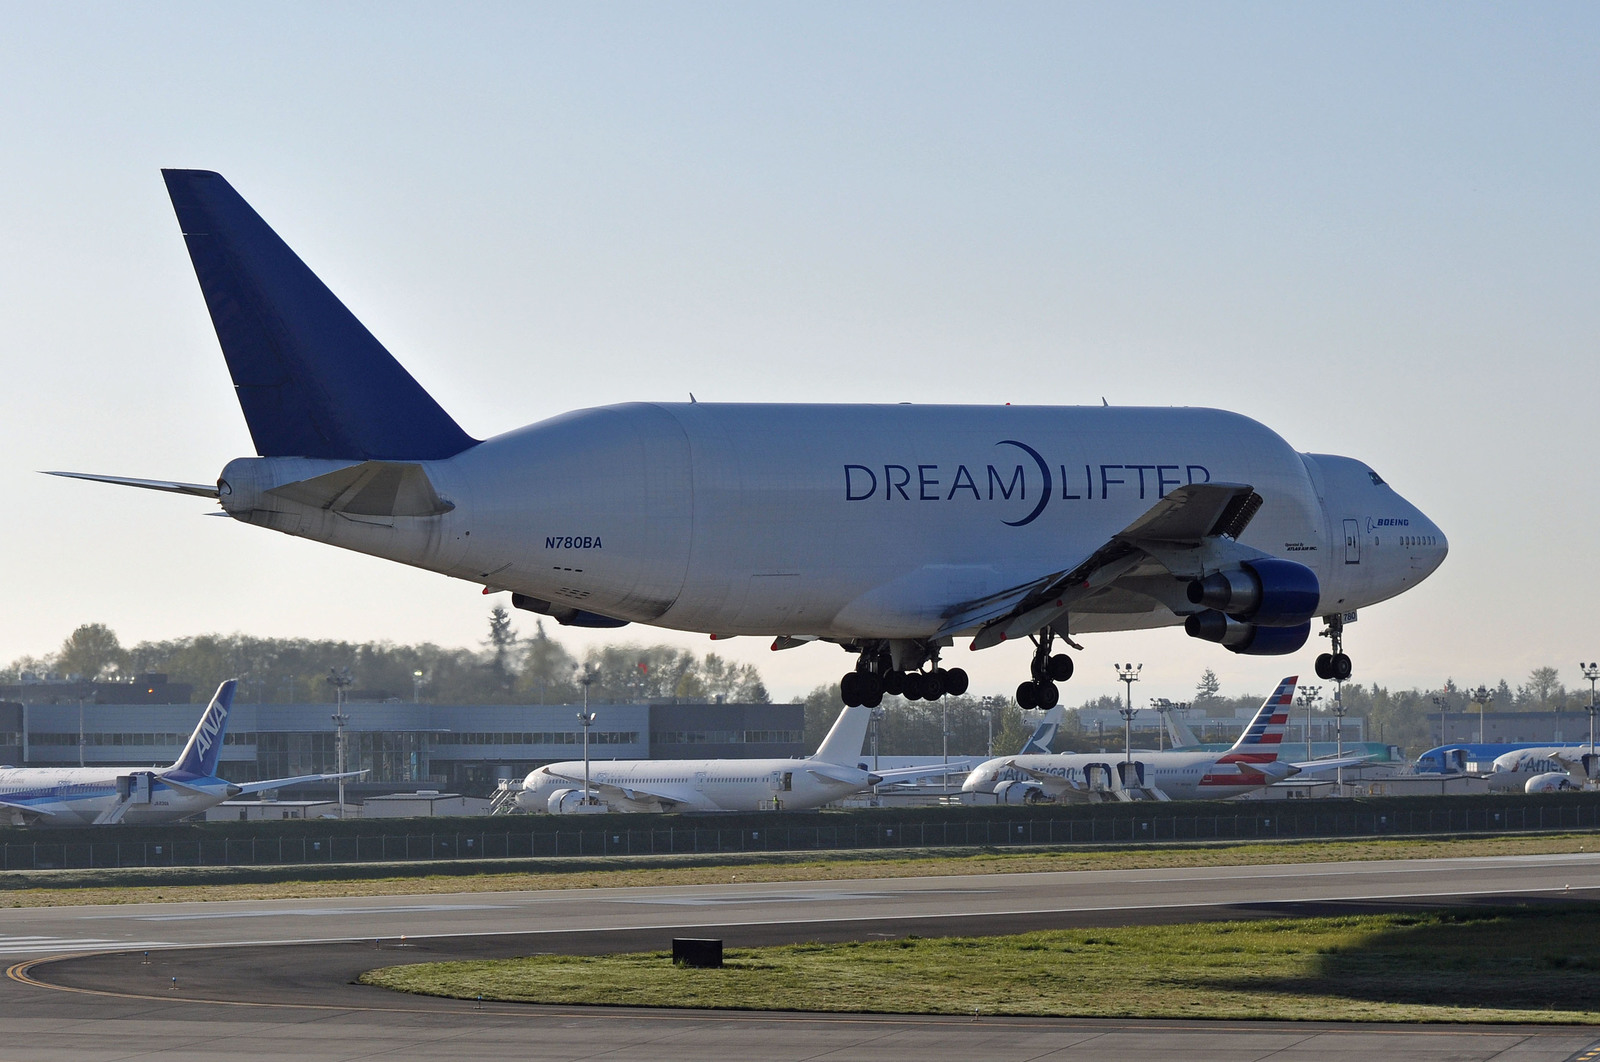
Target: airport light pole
<point x="586" y="718"/>
<point x="1127" y="713"/>
<point x="1128" y="674"/>
<point x="1481" y="697"/>
<point x="416" y="687"/>
<point x="1338" y="732"/>
<point x="1308" y="698"/>
<point x="1592" y="673"/>
<point x="339" y="678"/>
<point x="1441" y="703"/>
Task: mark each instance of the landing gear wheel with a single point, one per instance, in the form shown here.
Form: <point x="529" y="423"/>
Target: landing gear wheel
<point x="1048" y="695"/>
<point x="850" y="689"/>
<point x="1324" y="666"/>
<point x="1027" y="696"/>
<point x="955" y="682"/>
<point x="1059" y="667"/>
<point x="935" y="684"/>
<point x="894" y="682"/>
<point x="1342" y="669"/>
<point x="913" y="687"/>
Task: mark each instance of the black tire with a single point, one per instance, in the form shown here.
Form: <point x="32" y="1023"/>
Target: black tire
<point x="850" y="689"/>
<point x="873" y="701"/>
<point x="894" y="682"/>
<point x="1342" y="669"/>
<point x="869" y="688"/>
<point x="1060" y="667"/>
<point x="912" y="687"/>
<point x="1324" y="666"/>
<point x="1048" y="695"/>
<point x="1027" y="696"/>
<point x="955" y="682"/>
<point x="935" y="684"/>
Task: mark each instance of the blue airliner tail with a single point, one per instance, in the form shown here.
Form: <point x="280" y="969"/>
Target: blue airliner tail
<point x="199" y="756"/>
<point x="312" y="381"/>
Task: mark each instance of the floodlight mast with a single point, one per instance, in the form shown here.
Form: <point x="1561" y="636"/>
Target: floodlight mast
<point x="1129" y="674"/>
<point x="1481" y="697"/>
<point x="1591" y="672"/>
<point x="1308" y="699"/>
<point x="586" y="719"/>
<point x="339" y="678"/>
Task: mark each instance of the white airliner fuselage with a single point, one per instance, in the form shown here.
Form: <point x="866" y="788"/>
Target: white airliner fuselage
<point x="853" y="521"/>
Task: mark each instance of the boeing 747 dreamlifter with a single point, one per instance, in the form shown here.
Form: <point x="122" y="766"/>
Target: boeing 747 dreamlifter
<point x="888" y="530"/>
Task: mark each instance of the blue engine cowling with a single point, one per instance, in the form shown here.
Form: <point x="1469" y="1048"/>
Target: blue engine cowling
<point x="1250" y="639"/>
<point x="1268" y="592"/>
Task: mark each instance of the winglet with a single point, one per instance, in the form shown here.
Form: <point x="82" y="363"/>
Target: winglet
<point x="312" y="381"/>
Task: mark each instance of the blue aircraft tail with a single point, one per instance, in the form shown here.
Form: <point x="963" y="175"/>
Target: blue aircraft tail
<point x="312" y="381"/>
<point x="199" y="756"/>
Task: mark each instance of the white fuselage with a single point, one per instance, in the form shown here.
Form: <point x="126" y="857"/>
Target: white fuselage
<point x="77" y="796"/>
<point x="699" y="785"/>
<point x="853" y="521"/>
<point x="1180" y="775"/>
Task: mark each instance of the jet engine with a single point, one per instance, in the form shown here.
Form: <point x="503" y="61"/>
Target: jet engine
<point x="1553" y="782"/>
<point x="571" y="802"/>
<point x="1266" y="592"/>
<point x="1020" y="792"/>
<point x="1249" y="639"/>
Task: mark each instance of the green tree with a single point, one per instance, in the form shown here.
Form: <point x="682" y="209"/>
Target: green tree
<point x="1206" y="690"/>
<point x="93" y="652"/>
<point x="1012" y="730"/>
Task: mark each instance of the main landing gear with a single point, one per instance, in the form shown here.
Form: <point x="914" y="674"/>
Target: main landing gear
<point x="875" y="675"/>
<point x="1048" y="669"/>
<point x="1334" y="666"/>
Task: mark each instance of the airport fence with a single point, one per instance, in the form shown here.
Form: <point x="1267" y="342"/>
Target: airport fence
<point x="619" y="835"/>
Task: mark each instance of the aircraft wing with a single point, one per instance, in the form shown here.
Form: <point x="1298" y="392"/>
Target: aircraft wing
<point x="1054" y="784"/>
<point x="1191" y="529"/>
<point x="1321" y="766"/>
<point x="668" y="799"/>
<point x="32" y="813"/>
<point x="280" y="783"/>
<point x="925" y="770"/>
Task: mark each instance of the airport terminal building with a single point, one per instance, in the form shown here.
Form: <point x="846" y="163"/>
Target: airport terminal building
<point x="466" y="748"/>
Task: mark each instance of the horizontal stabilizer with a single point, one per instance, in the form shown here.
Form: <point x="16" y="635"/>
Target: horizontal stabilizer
<point x="199" y="490"/>
<point x="312" y="381"/>
<point x="372" y="488"/>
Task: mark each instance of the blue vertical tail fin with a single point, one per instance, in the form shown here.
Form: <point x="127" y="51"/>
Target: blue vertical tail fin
<point x="199" y="756"/>
<point x="312" y="381"/>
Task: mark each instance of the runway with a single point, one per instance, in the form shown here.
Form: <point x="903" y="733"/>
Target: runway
<point x="271" y="978"/>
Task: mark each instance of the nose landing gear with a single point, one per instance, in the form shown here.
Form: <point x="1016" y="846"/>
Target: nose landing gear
<point x="1048" y="669"/>
<point x="1334" y="666"/>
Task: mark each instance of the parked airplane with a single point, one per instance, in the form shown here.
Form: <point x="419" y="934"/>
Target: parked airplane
<point x="889" y="530"/>
<point x="1544" y="768"/>
<point x="1252" y="763"/>
<point x="99" y="796"/>
<point x="1044" y="735"/>
<point x="720" y="785"/>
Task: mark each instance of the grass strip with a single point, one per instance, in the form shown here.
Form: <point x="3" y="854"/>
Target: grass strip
<point x="1498" y="965"/>
<point x="73" y="888"/>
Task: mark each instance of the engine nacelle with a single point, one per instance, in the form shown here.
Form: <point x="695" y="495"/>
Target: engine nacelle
<point x="1250" y="639"/>
<point x="1554" y="782"/>
<point x="1019" y="792"/>
<point x="1267" y="592"/>
<point x="571" y="802"/>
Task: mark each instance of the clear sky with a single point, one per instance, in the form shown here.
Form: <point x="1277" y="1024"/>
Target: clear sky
<point x="1370" y="226"/>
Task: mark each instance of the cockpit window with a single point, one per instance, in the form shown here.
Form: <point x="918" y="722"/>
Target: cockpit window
<point x="1377" y="480"/>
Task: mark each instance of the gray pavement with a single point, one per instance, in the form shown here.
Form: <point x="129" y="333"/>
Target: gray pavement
<point x="272" y="979"/>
